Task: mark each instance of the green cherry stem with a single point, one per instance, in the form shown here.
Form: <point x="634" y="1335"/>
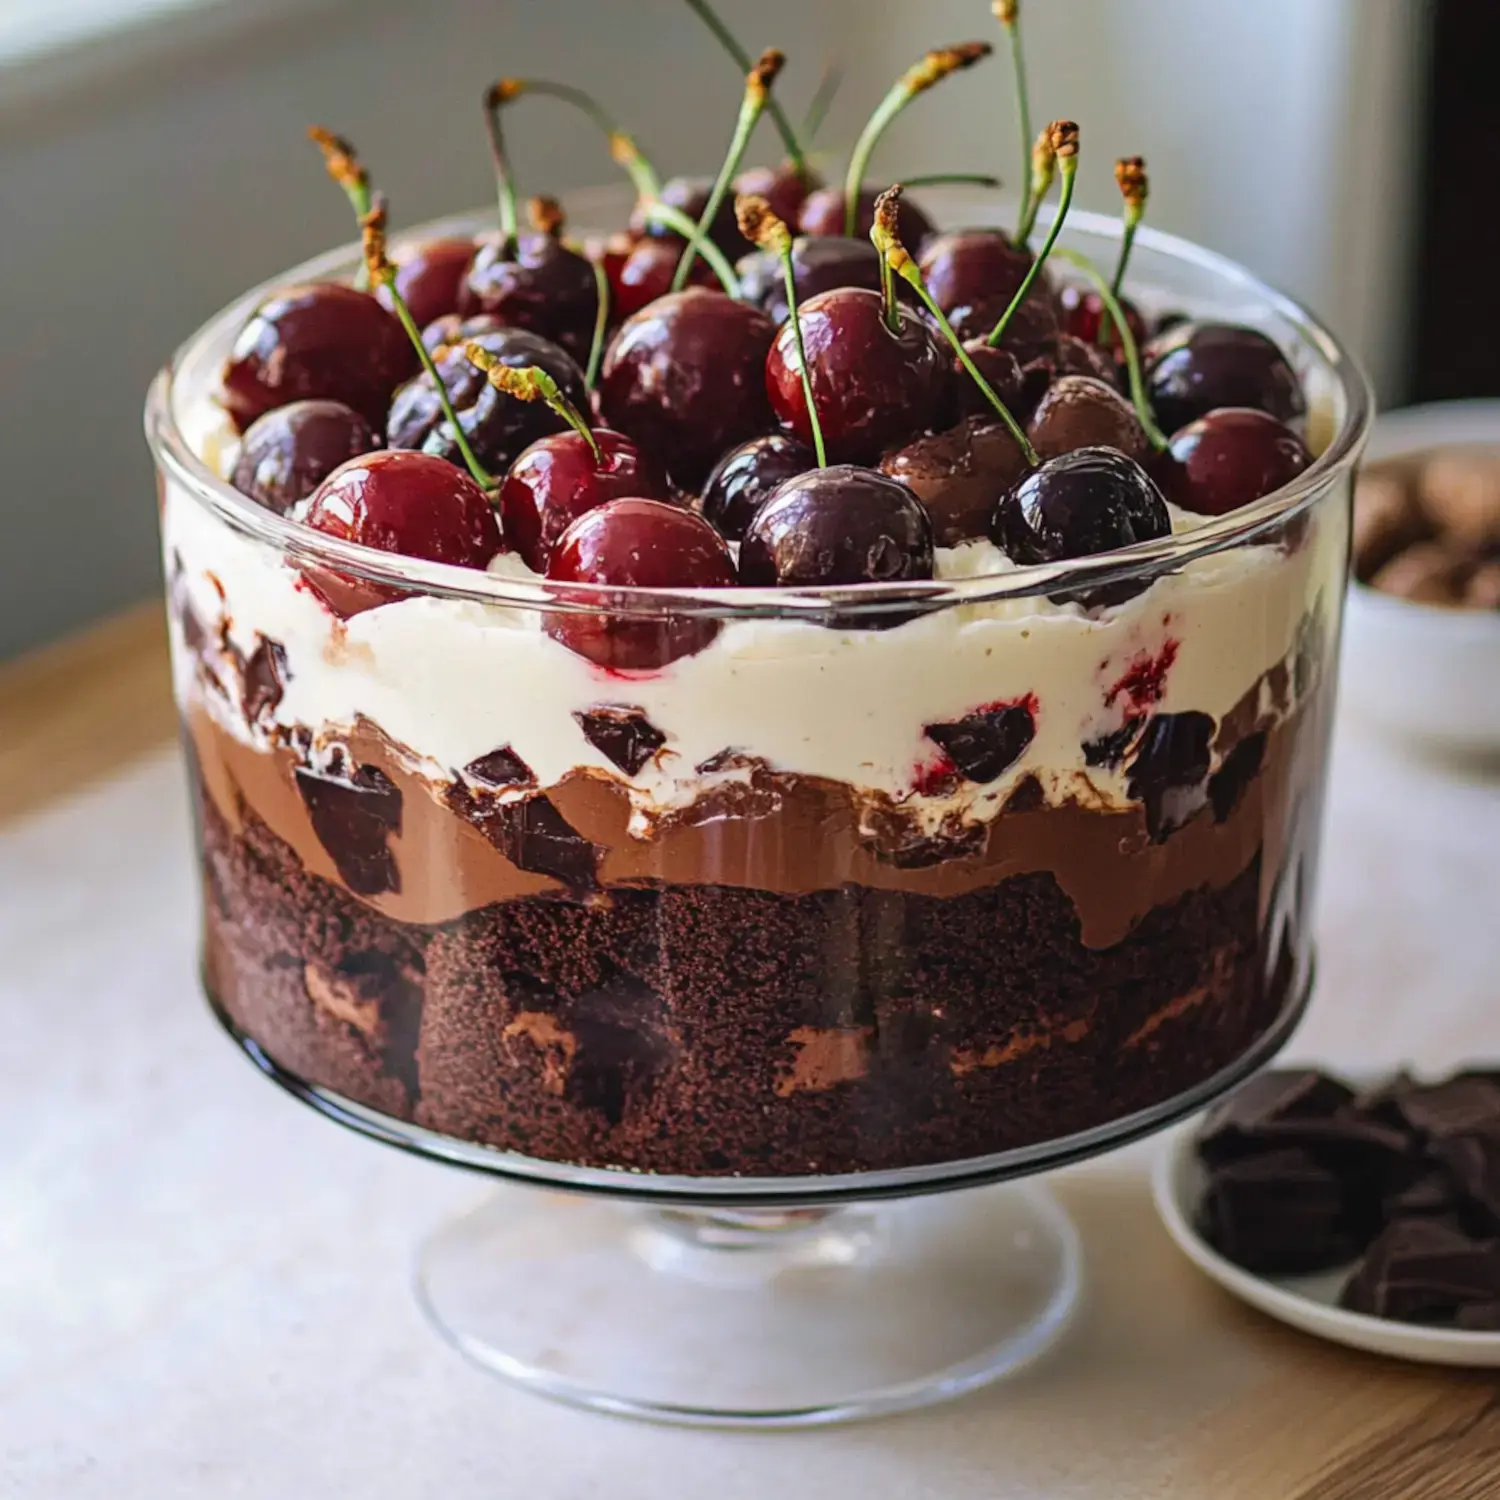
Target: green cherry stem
<point x="730" y="43"/>
<point x="1128" y="345"/>
<point x="829" y="83"/>
<point x="917" y="79"/>
<point x="532" y="383"/>
<point x="893" y="254"/>
<point x="505" y="185"/>
<point x="1008" y="13"/>
<point x="758" y="82"/>
<point x="601" y="322"/>
<point x="952" y="179"/>
<point x="1135" y="188"/>
<point x="673" y="218"/>
<point x="345" y="169"/>
<point x="767" y="232"/>
<point x="1043" y="170"/>
<point x="1063" y="138"/>
<point x="382" y="273"/>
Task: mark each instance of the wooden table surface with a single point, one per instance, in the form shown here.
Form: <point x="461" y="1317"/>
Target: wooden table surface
<point x="1169" y="1387"/>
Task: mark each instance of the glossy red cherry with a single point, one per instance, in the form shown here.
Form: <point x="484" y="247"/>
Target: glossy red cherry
<point x="743" y="480"/>
<point x="646" y="273"/>
<point x="289" y="452"/>
<point x="322" y="341"/>
<point x="1084" y="316"/>
<point x="973" y="274"/>
<point x="1000" y="368"/>
<point x="1066" y="356"/>
<point x="874" y="389"/>
<point x="496" y="424"/>
<point x="823" y="213"/>
<point x="1230" y="458"/>
<point x="1080" y="412"/>
<point x="638" y="544"/>
<point x="820" y="263"/>
<point x="690" y="195"/>
<point x="430" y="278"/>
<point x="783" y="186"/>
<point x="558" y="478"/>
<point x="685" y="377"/>
<point x="959" y="475"/>
<point x="538" y="284"/>
<point x="409" y="503"/>
<point x="1195" y="368"/>
<point x="1080" y="504"/>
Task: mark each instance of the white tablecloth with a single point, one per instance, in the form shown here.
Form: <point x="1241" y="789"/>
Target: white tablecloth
<point x="204" y="1287"/>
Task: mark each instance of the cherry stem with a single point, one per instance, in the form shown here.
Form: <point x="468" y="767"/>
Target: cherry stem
<point x="921" y="76"/>
<point x="893" y="254"/>
<point x="1128" y="345"/>
<point x="767" y="232"/>
<point x="758" y="82"/>
<point x="1130" y="174"/>
<point x="494" y="101"/>
<point x="671" y="217"/>
<point x="1043" y="169"/>
<point x="382" y="273"/>
<point x="344" y="167"/>
<point x="731" y="45"/>
<point x="601" y="324"/>
<point x="532" y="383"/>
<point x="1008" y="13"/>
<point x="829" y="83"/>
<point x="952" y="179"/>
<point x="1064" y="137"/>
<point x="622" y="145"/>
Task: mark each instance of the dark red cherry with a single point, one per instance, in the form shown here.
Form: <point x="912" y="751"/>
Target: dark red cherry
<point x="1229" y="458"/>
<point x="497" y="425"/>
<point x="538" y="284"/>
<point x="646" y="274"/>
<point x="743" y="479"/>
<point x="1195" y="368"/>
<point x="783" y="187"/>
<point x="973" y="274"/>
<point x="1079" y="504"/>
<point x="690" y="195"/>
<point x="1084" y="316"/>
<point x="820" y="263"/>
<point x="557" y="479"/>
<point x="874" y="389"/>
<point x="823" y="213"/>
<point x="323" y="341"/>
<point x="430" y="278"/>
<point x="999" y="367"/>
<point x="1080" y="412"/>
<point x="1062" y="357"/>
<point x="289" y="452"/>
<point x="638" y="544"/>
<point x="410" y="503"/>
<point x="450" y="329"/>
<point x="842" y="525"/>
<point x="685" y="377"/>
<point x="959" y="475"/>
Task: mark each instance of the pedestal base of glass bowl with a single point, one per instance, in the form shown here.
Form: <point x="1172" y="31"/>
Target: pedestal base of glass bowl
<point x="759" y="1302"/>
<point x="753" y="1317"/>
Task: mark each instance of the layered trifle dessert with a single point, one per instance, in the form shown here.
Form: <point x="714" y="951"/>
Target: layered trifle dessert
<point x="859" y="710"/>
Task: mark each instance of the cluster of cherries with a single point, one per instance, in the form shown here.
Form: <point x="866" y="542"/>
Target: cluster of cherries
<point x="618" y="413"/>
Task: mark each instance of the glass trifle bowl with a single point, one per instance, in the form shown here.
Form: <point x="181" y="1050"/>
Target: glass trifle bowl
<point x="850" y="894"/>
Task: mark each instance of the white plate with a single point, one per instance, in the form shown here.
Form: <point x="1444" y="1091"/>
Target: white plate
<point x="1306" y="1302"/>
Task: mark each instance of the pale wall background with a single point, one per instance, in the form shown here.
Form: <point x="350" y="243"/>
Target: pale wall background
<point x="149" y="175"/>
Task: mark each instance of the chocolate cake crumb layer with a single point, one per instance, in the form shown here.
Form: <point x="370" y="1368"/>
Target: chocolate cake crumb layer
<point x="715" y="1029"/>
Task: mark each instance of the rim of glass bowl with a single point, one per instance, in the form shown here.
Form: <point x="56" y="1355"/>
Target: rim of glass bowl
<point x="175" y="455"/>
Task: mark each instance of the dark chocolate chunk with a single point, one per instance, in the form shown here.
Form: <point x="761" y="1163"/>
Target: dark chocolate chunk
<point x="1426" y="1190"/>
<point x="266" y="678"/>
<point x="534" y="836"/>
<point x="1169" y="768"/>
<point x="1028" y="796"/>
<point x="625" y="735"/>
<point x="908" y="850"/>
<point x="729" y="759"/>
<point x="500" y="768"/>
<point x="1237" y="1126"/>
<point x="985" y="743"/>
<point x="1278" y="1213"/>
<point x="1111" y="749"/>
<point x="1236" y="771"/>
<point x="1454" y="1107"/>
<point x="1478" y="1317"/>
<point x="1473" y="1162"/>
<point x="353" y="815"/>
<point x="1423" y="1271"/>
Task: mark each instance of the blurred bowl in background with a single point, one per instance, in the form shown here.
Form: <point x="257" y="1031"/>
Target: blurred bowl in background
<point x="1426" y="673"/>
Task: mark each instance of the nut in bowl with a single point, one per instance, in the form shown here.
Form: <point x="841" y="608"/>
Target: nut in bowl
<point x="1424" y="607"/>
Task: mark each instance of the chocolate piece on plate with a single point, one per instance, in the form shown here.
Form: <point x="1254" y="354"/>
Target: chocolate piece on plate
<point x="1279" y="1213"/>
<point x="1473" y="1162"/>
<point x="1238" y="1125"/>
<point x="1428" y="1190"/>
<point x="1423" y="1271"/>
<point x="1455" y="1106"/>
<point x="1478" y="1317"/>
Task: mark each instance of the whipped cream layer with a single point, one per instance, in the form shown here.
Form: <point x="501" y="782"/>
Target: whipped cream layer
<point x="449" y="682"/>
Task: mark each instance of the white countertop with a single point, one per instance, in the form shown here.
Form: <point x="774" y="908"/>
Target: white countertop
<point x="204" y="1287"/>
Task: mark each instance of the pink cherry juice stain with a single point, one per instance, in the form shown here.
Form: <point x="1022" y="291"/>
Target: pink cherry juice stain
<point x="1145" y="679"/>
